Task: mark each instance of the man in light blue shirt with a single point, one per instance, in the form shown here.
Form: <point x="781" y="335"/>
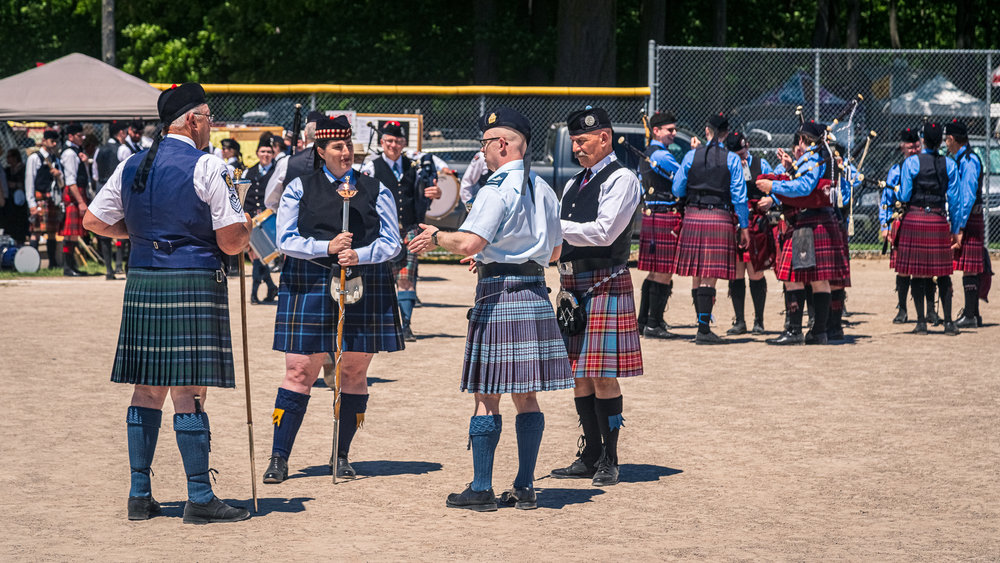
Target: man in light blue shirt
<point x="971" y="257"/>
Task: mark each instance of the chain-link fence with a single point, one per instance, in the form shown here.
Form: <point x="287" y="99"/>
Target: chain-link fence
<point x="761" y="88"/>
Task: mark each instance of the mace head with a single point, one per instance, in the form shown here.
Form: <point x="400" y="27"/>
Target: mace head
<point x="347" y="190"/>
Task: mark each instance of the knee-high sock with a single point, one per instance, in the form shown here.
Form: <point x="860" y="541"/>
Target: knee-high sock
<point x="407" y="299"/>
<point x="837" y="297"/>
<point x="738" y="295"/>
<point x="289" y="408"/>
<point x="642" y="314"/>
<point x="50" y="250"/>
<point x="971" y="286"/>
<point x="591" y="430"/>
<point x="706" y="300"/>
<point x="794" y="301"/>
<point x="352" y="415"/>
<point x="902" y="288"/>
<point x="68" y="261"/>
<point x="758" y="294"/>
<point x="810" y="306"/>
<point x="529" y="427"/>
<point x="659" y="293"/>
<point x="929" y="292"/>
<point x="143" y="427"/>
<point x="192" y="440"/>
<point x="484" y="434"/>
<point x="918" y="287"/>
<point x="821" y="302"/>
<point x="609" y="416"/>
<point x="944" y="287"/>
<point x="118" y="255"/>
<point x="105" y="246"/>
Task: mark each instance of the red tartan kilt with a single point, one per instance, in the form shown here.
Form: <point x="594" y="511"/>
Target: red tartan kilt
<point x="761" y="252"/>
<point x="844" y="282"/>
<point x="658" y="242"/>
<point x="969" y="258"/>
<point x="49" y="218"/>
<point x="831" y="251"/>
<point x="73" y="224"/>
<point x="707" y="246"/>
<point x="923" y="249"/>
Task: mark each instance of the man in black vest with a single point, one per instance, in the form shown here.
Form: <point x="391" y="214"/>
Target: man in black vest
<point x="134" y="139"/>
<point x="74" y="196"/>
<point x="598" y="207"/>
<point x="299" y="164"/>
<point x="399" y="174"/>
<point x="42" y="181"/>
<point x="106" y="159"/>
<point x="259" y="174"/>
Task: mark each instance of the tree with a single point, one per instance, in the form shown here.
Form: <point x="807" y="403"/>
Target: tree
<point x="586" y="54"/>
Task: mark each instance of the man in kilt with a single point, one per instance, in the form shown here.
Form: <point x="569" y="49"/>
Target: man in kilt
<point x="889" y="212"/>
<point x="712" y="179"/>
<point x="74" y="196"/>
<point x="760" y="251"/>
<point x="929" y="181"/>
<point x="180" y="210"/>
<point x="661" y="226"/>
<point x="514" y="345"/>
<point x="316" y="244"/>
<point x="42" y="181"/>
<point x="846" y="184"/>
<point x="598" y="207"/>
<point x="971" y="257"/>
<point x="813" y="252"/>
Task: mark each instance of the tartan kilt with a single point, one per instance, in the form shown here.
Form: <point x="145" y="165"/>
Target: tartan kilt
<point x="306" y="321"/>
<point x="830" y="249"/>
<point x="404" y="264"/>
<point x="609" y="346"/>
<point x="844" y="282"/>
<point x="924" y="245"/>
<point x="49" y="218"/>
<point x="73" y="223"/>
<point x="707" y="246"/>
<point x="175" y="330"/>
<point x="514" y="344"/>
<point x="969" y="258"/>
<point x="658" y="242"/>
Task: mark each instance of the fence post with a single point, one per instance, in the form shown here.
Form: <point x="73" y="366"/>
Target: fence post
<point x="312" y="101"/>
<point x="651" y="77"/>
<point x="816" y="88"/>
<point x="986" y="152"/>
<point x="482" y="105"/>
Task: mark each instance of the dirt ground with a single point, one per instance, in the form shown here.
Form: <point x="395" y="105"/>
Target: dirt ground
<point x="885" y="448"/>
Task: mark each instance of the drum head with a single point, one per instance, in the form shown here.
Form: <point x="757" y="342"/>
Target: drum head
<point x="441" y="207"/>
<point x="27" y="260"/>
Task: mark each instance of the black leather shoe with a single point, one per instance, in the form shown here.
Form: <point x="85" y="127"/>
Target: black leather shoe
<point x="921" y="328"/>
<point x="950" y="328"/>
<point x="657" y="332"/>
<point x="739" y="327"/>
<point x="254" y="300"/>
<point x="344" y="469"/>
<point x="576" y="470"/>
<point x="758" y="327"/>
<point x="70" y="273"/>
<point x="271" y="296"/>
<point x="408" y="335"/>
<point x="969" y="322"/>
<point x="213" y="511"/>
<point x="520" y="498"/>
<point x="816" y="338"/>
<point x="900" y="317"/>
<point x="708" y="338"/>
<point x="110" y="277"/>
<point x="277" y="470"/>
<point x="933" y="318"/>
<point x="606" y="474"/>
<point x="787" y="338"/>
<point x="480" y="501"/>
<point x="835" y="335"/>
<point x="142" y="508"/>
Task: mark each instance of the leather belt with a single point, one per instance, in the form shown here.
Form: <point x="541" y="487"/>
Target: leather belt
<point x="494" y="269"/>
<point x="574" y="267"/>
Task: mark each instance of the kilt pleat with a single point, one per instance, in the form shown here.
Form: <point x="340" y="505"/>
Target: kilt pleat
<point x="707" y="245"/>
<point x="404" y="265"/>
<point x="831" y="251"/>
<point x="175" y="330"/>
<point x="658" y="242"/>
<point x="306" y="320"/>
<point x="609" y="347"/>
<point x="924" y="245"/>
<point x="73" y="223"/>
<point x="969" y="258"/>
<point x="514" y="344"/>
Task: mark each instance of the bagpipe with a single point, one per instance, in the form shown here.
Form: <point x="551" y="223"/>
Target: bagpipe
<point x="426" y="176"/>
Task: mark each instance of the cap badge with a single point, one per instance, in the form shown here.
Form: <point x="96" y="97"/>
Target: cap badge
<point x="589" y="121"/>
<point x="492" y="119"/>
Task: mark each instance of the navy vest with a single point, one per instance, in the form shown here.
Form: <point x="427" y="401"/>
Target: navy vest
<point x="402" y="189"/>
<point x="44" y="178"/>
<point x="930" y="185"/>
<point x="254" y="202"/>
<point x="708" y="178"/>
<point x="654" y="186"/>
<point x="321" y="210"/>
<point x="301" y="163"/>
<point x="168" y="213"/>
<point x="580" y="206"/>
<point x="107" y="160"/>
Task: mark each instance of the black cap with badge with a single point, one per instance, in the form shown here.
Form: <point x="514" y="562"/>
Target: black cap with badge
<point x="587" y="120"/>
<point x="172" y="103"/>
<point x="506" y="117"/>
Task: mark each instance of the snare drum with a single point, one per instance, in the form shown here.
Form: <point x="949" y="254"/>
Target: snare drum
<point x="449" y="185"/>
<point x="264" y="236"/>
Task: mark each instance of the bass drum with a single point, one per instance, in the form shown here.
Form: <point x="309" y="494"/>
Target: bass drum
<point x="25" y="259"/>
<point x="443" y="206"/>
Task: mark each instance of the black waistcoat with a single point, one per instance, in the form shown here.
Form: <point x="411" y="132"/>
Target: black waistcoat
<point x="254" y="202"/>
<point x="580" y="206"/>
<point x="654" y="186"/>
<point x="321" y="210"/>
<point x="82" y="176"/>
<point x="44" y="178"/>
<point x="930" y="185"/>
<point x="402" y="189"/>
<point x="752" y="191"/>
<point x="708" y="179"/>
<point x="107" y="160"/>
<point x="300" y="164"/>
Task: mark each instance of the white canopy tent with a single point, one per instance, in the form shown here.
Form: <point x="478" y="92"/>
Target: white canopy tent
<point x="940" y="96"/>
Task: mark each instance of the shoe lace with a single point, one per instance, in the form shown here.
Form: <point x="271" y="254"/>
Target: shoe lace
<point x="581" y="445"/>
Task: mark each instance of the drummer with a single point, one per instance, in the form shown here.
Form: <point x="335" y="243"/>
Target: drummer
<point x="259" y="174"/>
<point x="310" y="234"/>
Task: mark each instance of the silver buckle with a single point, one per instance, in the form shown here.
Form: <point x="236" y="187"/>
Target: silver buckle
<point x="220" y="276"/>
<point x="156" y="245"/>
<point x="566" y="268"/>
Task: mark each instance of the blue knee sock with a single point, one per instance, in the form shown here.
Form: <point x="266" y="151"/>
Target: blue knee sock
<point x="529" y="426"/>
<point x="352" y="415"/>
<point x="192" y="441"/>
<point x="289" y="408"/>
<point x="143" y="428"/>
<point x="484" y="434"/>
<point x="407" y="299"/>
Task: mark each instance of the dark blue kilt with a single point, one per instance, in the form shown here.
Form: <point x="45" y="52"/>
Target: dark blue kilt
<point x="306" y="322"/>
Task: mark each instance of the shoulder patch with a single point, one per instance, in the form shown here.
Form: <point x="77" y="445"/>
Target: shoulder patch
<point x="497" y="179"/>
<point x="234" y="198"/>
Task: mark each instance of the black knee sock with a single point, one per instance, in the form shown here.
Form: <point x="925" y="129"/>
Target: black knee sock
<point x="821" y="301"/>
<point x="738" y="295"/>
<point x="944" y="285"/>
<point x="585" y="407"/>
<point x="758" y="294"/>
<point x="659" y="293"/>
<point x="918" y="287"/>
<point x="929" y="288"/>
<point x="794" y="301"/>
<point x="352" y="415"/>
<point x="971" y="286"/>
<point x="609" y="417"/>
<point x="902" y="288"/>
<point x="706" y="300"/>
<point x="809" y="304"/>
<point x="642" y="313"/>
<point x="834" y="322"/>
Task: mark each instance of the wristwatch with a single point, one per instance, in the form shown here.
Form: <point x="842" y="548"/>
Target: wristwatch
<point x="434" y="238"/>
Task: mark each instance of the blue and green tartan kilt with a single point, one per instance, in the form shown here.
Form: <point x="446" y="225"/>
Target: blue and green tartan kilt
<point x="514" y="344"/>
<point x="306" y="322"/>
<point x="175" y="329"/>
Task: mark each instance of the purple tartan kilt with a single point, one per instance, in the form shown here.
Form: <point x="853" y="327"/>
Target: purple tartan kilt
<point x="514" y="344"/>
<point x="969" y="258"/>
<point x="924" y="245"/>
<point x="707" y="246"/>
<point x="658" y="242"/>
<point x="306" y="321"/>
<point x="831" y="250"/>
<point x="609" y="346"/>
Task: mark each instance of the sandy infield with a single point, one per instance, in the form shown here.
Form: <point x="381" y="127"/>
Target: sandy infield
<point x="886" y="448"/>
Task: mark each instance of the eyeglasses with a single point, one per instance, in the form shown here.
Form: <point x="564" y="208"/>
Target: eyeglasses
<point x="389" y="141"/>
<point x="484" y="142"/>
<point x="211" y="118"/>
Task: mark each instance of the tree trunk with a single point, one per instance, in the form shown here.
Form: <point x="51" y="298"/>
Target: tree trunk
<point x="822" y="26"/>
<point x="893" y="29"/>
<point x="542" y="18"/>
<point x="719" y="19"/>
<point x="484" y="58"/>
<point x="108" y="31"/>
<point x="965" y="24"/>
<point x="852" y="24"/>
<point x="586" y="55"/>
<point x="653" y="25"/>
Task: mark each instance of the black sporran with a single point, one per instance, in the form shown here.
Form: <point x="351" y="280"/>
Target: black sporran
<point x="570" y="315"/>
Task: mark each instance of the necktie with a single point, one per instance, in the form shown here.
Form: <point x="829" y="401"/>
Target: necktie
<point x="586" y="178"/>
<point x="397" y="171"/>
